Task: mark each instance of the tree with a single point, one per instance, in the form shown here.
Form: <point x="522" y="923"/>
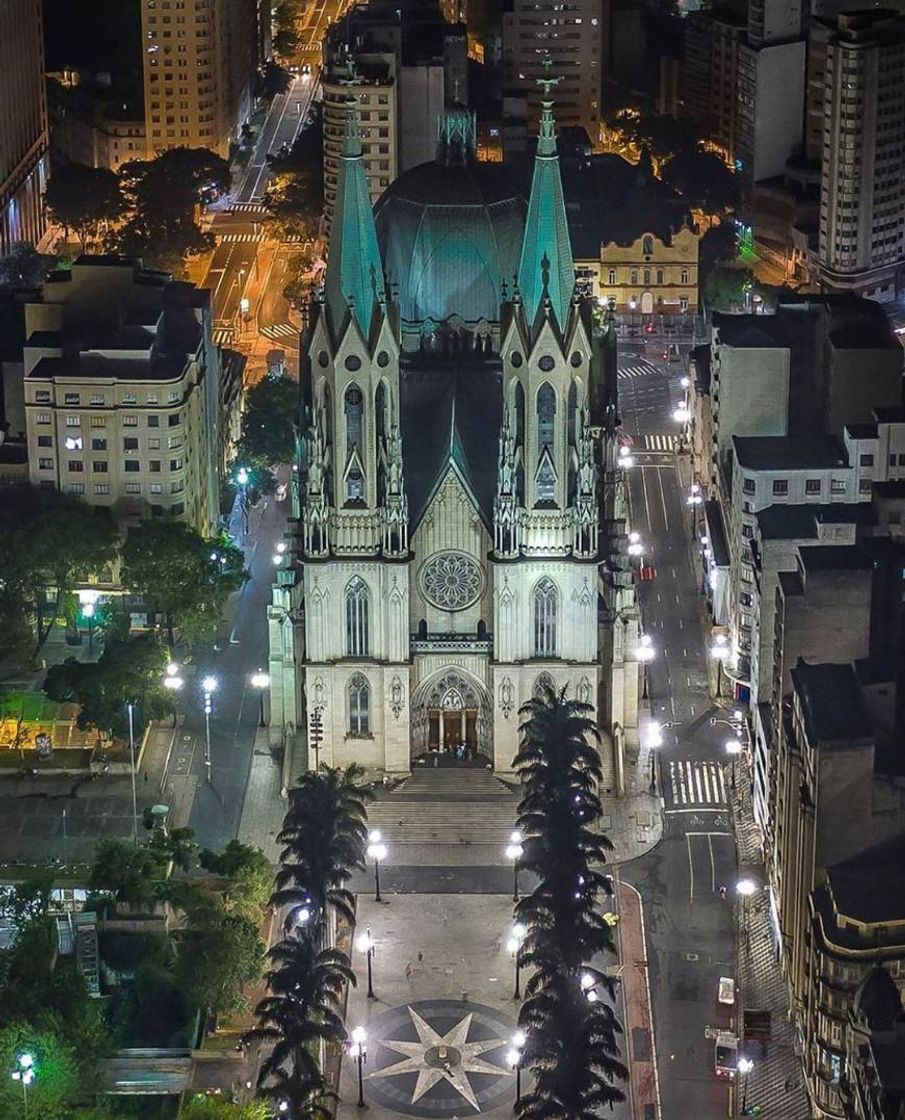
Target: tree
<point x="23" y="267"/>
<point x="162" y="195"/>
<point x="294" y="201"/>
<point x="87" y="200"/>
<point x="56" y="1085"/>
<point x="203" y="1107"/>
<point x="250" y="876"/>
<point x="183" y="575"/>
<point x="703" y="180"/>
<point x="129" y="672"/>
<point x="134" y="875"/>
<point x="324" y="833"/>
<point x="268" y="424"/>
<point x="220" y="953"/>
<point x="731" y="287"/>
<point x="48" y="542"/>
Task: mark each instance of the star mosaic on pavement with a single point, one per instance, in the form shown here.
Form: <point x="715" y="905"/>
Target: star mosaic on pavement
<point x="449" y="1057"/>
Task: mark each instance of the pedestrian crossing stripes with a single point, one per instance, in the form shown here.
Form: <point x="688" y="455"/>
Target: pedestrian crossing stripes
<point x="223" y="336"/>
<point x="697" y="783"/>
<point x="240" y="238"/>
<point x="643" y="370"/>
<point x="248" y="208"/>
<point x="659" y="443"/>
<point x="280" y="330"/>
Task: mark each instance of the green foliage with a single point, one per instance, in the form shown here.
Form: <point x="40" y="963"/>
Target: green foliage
<point x="56" y="1086"/>
<point x="26" y="901"/>
<point x="703" y="180"/>
<point x="220" y="953"/>
<point x="23" y="267"/>
<point x="48" y="540"/>
<point x="183" y="575"/>
<point x="129" y="671"/>
<point x="250" y="876"/>
<point x="268" y="424"/>
<point x="213" y="1107"/>
<point x="732" y="287"/>
<point x="274" y="80"/>
<point x="84" y="199"/>
<point x="162" y="195"/>
<point x="132" y="874"/>
<point x="178" y="845"/>
<point x="294" y="201"/>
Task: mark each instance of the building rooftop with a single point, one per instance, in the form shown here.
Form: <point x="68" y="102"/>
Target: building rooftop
<point x="895" y="488"/>
<point x="834" y="557"/>
<point x="716" y="534"/>
<point x="80" y="365"/>
<point x="700" y="355"/>
<point x="750" y="332"/>
<point x="789" y="453"/>
<point x="802" y="522"/>
<point x="831" y="702"/>
<point x="862" y="431"/>
<point x="870" y="887"/>
<point x="892" y="414"/>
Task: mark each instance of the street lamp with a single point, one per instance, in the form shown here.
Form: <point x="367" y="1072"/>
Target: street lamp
<point x="172" y="679"/>
<point x="681" y="415"/>
<point x="260" y="680"/>
<point x="733" y="749"/>
<point x="695" y="498"/>
<point x="720" y="652"/>
<point x="88" y="598"/>
<point x="745" y="1065"/>
<point x="654" y="740"/>
<point x="359" y="1051"/>
<point x="25" y="1072"/>
<point x="589" y="987"/>
<point x="514" y="1061"/>
<point x="645" y="653"/>
<point x="377" y="851"/>
<point x="745" y="888"/>
<point x="635" y="545"/>
<point x="365" y="944"/>
<point x="242" y="476"/>
<point x="514" y="946"/>
<point x="514" y="851"/>
<point x="624" y="459"/>
<point x="208" y="688"/>
<point x="130" y="708"/>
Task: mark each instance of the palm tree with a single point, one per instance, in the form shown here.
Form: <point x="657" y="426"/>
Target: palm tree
<point x="323" y="836"/>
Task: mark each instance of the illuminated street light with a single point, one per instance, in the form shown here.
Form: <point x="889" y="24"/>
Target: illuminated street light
<point x="635" y="544"/>
<point x="653" y="739"/>
<point x="261" y="681"/>
<point x="514" y="852"/>
<point x="745" y="1065"/>
<point x="681" y="415"/>
<point x="208" y="688"/>
<point x="645" y="653"/>
<point x="242" y="476"/>
<point x="733" y="748"/>
<point x="24" y="1071"/>
<point x="514" y="946"/>
<point x="514" y="1061"/>
<point x="720" y="651"/>
<point x="359" y="1050"/>
<point x="377" y="851"/>
<point x="172" y="679"/>
<point x="365" y="944"/>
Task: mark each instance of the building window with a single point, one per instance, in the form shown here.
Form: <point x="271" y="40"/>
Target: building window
<point x="864" y="486"/>
<point x="867" y="460"/>
<point x="812" y="486"/>
<point x="98" y="421"/>
<point x="647" y="277"/>
<point x="75" y="488"/>
<point x="174" y="419"/>
<point x="359" y="705"/>
<point x="130" y="421"/>
<point x="546" y="416"/>
<point x="98" y="445"/>
<point x="153" y="421"/>
<point x="45" y="464"/>
<point x="780" y="486"/>
<point x="70" y="398"/>
<point x="42" y="396"/>
<point x="612" y="277"/>
<point x="130" y="398"/>
<point x="837" y="486"/>
<point x="354" y="408"/>
<point x="634" y="276"/>
<point x="749" y="486"/>
<point x="45" y="441"/>
<point x="42" y="418"/>
<point x="130" y="443"/>
<point x="660" y="276"/>
<point x="99" y="466"/>
<point x="684" y="275"/>
<point x="73" y="421"/>
<point x="647" y="245"/>
<point x="76" y="465"/>
<point x="545" y="609"/>
<point x="357" y="618"/>
<point x="132" y="465"/>
<point x="133" y="487"/>
<point x="102" y="488"/>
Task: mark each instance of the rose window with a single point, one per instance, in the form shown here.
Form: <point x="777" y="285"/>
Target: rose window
<point x="451" y="581"/>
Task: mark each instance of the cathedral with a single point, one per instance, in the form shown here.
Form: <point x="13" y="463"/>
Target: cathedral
<point x="455" y="487"/>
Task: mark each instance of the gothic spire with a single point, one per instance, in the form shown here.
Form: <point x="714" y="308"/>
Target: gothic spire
<point x="354" y="278"/>
<point x="546" y="267"/>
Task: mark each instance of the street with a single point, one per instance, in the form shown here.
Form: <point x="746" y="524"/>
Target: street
<point x="689" y="922"/>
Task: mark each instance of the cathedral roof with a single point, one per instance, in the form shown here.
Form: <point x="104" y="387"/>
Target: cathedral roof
<point x="451" y="419"/>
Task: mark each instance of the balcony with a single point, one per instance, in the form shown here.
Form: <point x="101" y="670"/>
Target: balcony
<point x="452" y="643"/>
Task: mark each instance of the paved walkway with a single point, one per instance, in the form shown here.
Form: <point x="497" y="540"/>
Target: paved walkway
<point x="638" y="1025"/>
<point x="775" y="1084"/>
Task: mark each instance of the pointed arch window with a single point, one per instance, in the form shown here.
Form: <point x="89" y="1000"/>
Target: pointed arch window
<point x="355" y="482"/>
<point x="519" y="415"/>
<point x="647" y="245"/>
<point x="359" y="705"/>
<point x="572" y="414"/>
<point x="357" y="610"/>
<point x="546" y="609"/>
<point x="354" y="408"/>
<point x="546" y="478"/>
<point x="546" y="416"/>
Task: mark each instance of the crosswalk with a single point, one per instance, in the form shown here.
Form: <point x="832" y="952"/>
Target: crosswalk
<point x="223" y="336"/>
<point x="248" y="208"/>
<point x="658" y="443"/>
<point x="696" y="783"/>
<point x="240" y="238"/>
<point x="280" y="330"/>
<point x="642" y="370"/>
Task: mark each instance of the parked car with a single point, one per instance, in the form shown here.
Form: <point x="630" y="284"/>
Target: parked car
<point x="726" y="990"/>
<point x="725" y="1055"/>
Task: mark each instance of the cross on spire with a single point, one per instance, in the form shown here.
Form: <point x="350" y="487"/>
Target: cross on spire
<point x="547" y="82"/>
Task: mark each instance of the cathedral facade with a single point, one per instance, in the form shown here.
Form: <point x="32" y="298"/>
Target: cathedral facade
<point x="454" y="490"/>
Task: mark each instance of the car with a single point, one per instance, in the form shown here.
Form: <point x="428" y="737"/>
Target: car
<point x="725" y="1055"/>
<point x="306" y="69"/>
<point x="281" y="492"/>
<point x="726" y="990"/>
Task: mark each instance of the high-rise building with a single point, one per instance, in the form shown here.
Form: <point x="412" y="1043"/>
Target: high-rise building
<point x="199" y="64"/>
<point x="862" y="204"/>
<point x="23" y="123"/>
<point x="568" y="37"/>
<point x="709" y="85"/>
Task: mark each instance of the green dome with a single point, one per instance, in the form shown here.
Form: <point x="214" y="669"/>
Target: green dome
<point x="450" y="235"/>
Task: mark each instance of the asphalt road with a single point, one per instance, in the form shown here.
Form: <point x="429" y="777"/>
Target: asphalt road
<point x="689" y="924"/>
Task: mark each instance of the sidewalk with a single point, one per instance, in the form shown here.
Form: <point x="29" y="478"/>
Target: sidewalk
<point x="639" y="1047"/>
<point x="775" y="1084"/>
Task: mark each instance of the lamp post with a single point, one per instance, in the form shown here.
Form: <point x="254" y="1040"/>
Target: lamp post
<point x="208" y="688"/>
<point x="589" y="987"/>
<point x="514" y="852"/>
<point x="745" y="888"/>
<point x="377" y="851"/>
<point x="88" y="598"/>
<point x="632" y="305"/>
<point x="645" y="653"/>
<point x="24" y="1071"/>
<point x="720" y="652"/>
<point x="243" y="478"/>
<point x="514" y="946"/>
<point x="359" y="1051"/>
<point x="624" y="459"/>
<point x="514" y="1061"/>
<point x="635" y="545"/>
<point x="745" y="1065"/>
<point x="261" y="681"/>
<point x="695" y="498"/>
<point x="365" y="944"/>
<point x="173" y="682"/>
<point x="130" y="708"/>
<point x="654" y="739"/>
<point x="733" y="749"/>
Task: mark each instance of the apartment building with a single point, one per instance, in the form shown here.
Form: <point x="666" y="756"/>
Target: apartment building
<point x="873" y="1085"/>
<point x="543" y="38"/>
<point x="23" y="124"/>
<point x="199" y="64"/>
<point x="122" y="392"/>
<point x="92" y="124"/>
<point x="710" y="67"/>
<point x="862" y="202"/>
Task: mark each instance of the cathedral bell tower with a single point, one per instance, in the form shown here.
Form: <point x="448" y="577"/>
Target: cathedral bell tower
<point x="353" y="498"/>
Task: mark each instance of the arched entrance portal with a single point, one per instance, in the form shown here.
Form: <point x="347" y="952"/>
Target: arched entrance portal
<point x="449" y="710"/>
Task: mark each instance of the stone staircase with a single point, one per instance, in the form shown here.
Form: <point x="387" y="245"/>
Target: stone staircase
<point x="454" y="806"/>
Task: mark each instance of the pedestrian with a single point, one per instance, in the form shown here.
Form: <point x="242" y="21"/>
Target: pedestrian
<point x="722" y="892"/>
<point x="409" y="969"/>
